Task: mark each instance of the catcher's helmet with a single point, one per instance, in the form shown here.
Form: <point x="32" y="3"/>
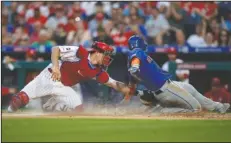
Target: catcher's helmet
<point x="106" y="50"/>
<point x="137" y="42"/>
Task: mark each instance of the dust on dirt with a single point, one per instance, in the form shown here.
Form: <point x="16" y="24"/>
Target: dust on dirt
<point x="118" y="112"/>
<point x="178" y="116"/>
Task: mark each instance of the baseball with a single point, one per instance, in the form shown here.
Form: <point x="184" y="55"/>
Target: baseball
<point x="77" y="19"/>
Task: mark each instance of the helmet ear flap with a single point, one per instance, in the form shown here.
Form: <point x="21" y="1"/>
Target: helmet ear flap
<point x="137" y="42"/>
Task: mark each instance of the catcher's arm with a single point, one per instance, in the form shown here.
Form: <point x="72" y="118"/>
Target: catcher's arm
<point x="133" y="78"/>
<point x="127" y="97"/>
<point x="120" y="86"/>
<point x="105" y="79"/>
<point x="65" y="53"/>
<point x="55" y="53"/>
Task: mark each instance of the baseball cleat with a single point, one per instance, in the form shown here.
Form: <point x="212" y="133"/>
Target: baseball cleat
<point x="224" y="108"/>
<point x="157" y="108"/>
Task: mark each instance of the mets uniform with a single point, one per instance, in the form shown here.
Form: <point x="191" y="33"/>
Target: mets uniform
<point x="144" y="70"/>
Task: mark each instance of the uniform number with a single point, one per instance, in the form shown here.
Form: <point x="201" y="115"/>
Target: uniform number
<point x="149" y="59"/>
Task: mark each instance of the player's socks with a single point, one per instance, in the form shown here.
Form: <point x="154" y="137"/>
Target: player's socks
<point x="18" y="101"/>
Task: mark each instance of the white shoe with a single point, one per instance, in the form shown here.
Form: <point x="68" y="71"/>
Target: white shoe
<point x="9" y="110"/>
<point x="224" y="108"/>
<point x="157" y="108"/>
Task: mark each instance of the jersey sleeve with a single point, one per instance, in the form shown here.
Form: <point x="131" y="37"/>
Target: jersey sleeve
<point x="208" y="95"/>
<point x="68" y="49"/>
<point x="68" y="53"/>
<point x="226" y="95"/>
<point x="5" y="91"/>
<point x="72" y="53"/>
<point x="135" y="62"/>
<point x="81" y="52"/>
<point x="102" y="77"/>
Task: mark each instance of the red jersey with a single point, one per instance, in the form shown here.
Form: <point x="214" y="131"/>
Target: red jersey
<point x="76" y="66"/>
<point x="5" y="91"/>
<point x="70" y="27"/>
<point x="42" y="19"/>
<point x="121" y="39"/>
<point x="220" y="95"/>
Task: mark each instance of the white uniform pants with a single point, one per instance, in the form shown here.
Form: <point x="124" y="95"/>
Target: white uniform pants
<point x="43" y="85"/>
<point x="185" y="96"/>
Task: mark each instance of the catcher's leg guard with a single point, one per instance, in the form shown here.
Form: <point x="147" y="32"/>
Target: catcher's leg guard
<point x="79" y="108"/>
<point x="18" y="101"/>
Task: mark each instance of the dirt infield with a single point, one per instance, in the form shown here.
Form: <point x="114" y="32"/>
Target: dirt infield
<point x="111" y="112"/>
<point x="182" y="116"/>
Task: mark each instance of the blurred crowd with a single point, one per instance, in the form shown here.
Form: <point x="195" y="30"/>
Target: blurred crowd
<point x="43" y="24"/>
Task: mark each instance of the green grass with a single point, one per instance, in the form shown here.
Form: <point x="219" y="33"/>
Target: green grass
<point x="100" y="130"/>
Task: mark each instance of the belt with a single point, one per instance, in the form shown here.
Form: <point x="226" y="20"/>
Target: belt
<point x="159" y="91"/>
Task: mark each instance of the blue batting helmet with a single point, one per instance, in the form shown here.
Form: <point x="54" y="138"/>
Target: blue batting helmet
<point x="137" y="42"/>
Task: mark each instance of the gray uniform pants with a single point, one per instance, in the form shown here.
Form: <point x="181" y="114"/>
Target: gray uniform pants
<point x="183" y="97"/>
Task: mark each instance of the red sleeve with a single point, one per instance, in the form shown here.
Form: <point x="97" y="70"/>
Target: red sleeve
<point x="81" y="52"/>
<point x="43" y="19"/>
<point x="226" y="95"/>
<point x="229" y="98"/>
<point x="103" y="77"/>
<point x="5" y="91"/>
<point x="208" y="95"/>
<point x="30" y="20"/>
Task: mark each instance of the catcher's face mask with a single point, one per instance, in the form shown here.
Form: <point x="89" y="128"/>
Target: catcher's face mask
<point x="107" y="60"/>
<point x="106" y="52"/>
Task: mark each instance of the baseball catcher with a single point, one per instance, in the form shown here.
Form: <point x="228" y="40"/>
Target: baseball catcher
<point x="61" y="77"/>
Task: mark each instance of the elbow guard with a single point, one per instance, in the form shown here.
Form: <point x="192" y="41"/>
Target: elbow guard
<point x="134" y="71"/>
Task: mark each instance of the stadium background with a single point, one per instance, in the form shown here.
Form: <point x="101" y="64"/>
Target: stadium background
<point x="200" y="31"/>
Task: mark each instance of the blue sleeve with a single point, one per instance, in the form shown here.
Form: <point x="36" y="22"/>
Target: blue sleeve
<point x="134" y="71"/>
<point x="139" y="54"/>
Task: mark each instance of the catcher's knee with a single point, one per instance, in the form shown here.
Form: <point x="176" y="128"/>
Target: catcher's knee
<point x="61" y="107"/>
<point x="56" y="107"/>
<point x="19" y="100"/>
